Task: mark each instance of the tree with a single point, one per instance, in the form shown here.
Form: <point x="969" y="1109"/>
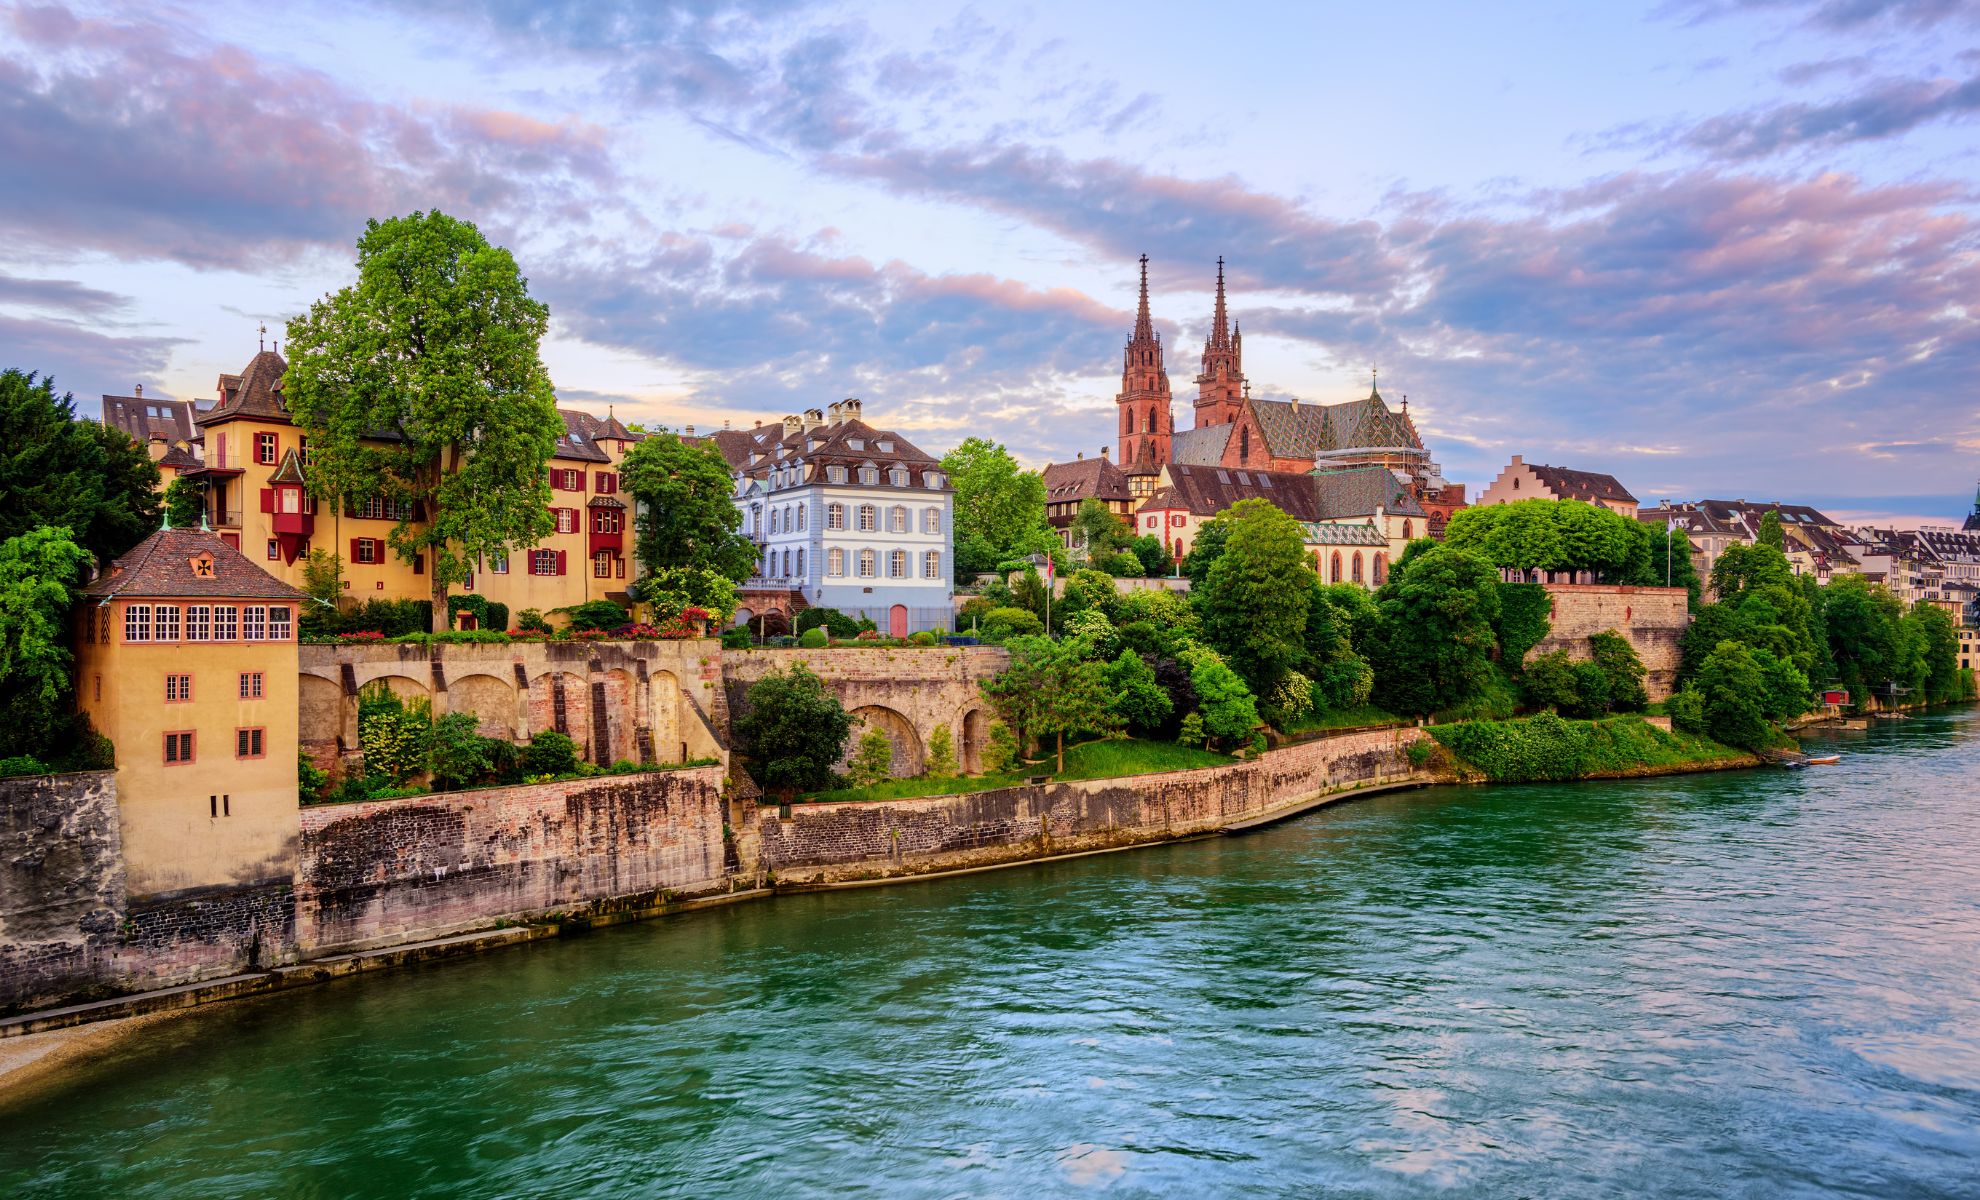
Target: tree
<point x="1525" y="615"/>
<point x="997" y="503"/>
<point x="61" y="473"/>
<point x="1016" y="692"/>
<point x="793" y="730"/>
<point x="1863" y="622"/>
<point x="1204" y="550"/>
<point x="1136" y="700"/>
<point x="38" y="571"/>
<point x="873" y="761"/>
<point x="1099" y="529"/>
<point x="1733" y="688"/>
<point x="1341" y="676"/>
<point x="1153" y="553"/>
<point x="185" y="503"/>
<point x="687" y="515"/>
<point x="435" y="348"/>
<point x="1255" y="599"/>
<point x="1225" y="706"/>
<point x="1433" y="640"/>
<point x="941" y="754"/>
<point x="1770" y="534"/>
<point x="1028" y="592"/>
<point x="1938" y="641"/>
<point x="1049" y="689"/>
<point x="671" y="590"/>
<point x="1088" y="590"/>
<point x="1672" y="565"/>
<point x="1622" y="670"/>
<point x="1550" y="682"/>
<point x="456" y="753"/>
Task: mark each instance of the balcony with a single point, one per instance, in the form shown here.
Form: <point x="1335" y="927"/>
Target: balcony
<point x="225" y="519"/>
<point x="294" y="524"/>
<point x="614" y="542"/>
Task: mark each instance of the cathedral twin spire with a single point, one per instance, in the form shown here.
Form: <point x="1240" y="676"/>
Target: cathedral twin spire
<point x="1146" y="422"/>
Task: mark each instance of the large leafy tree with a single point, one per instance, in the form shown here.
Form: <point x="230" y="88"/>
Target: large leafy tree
<point x="1051" y="689"/>
<point x="38" y="571"/>
<point x="793" y="729"/>
<point x="57" y="471"/>
<point x="1257" y="593"/>
<point x="999" y="506"/>
<point x="1099" y="529"/>
<point x="1336" y="616"/>
<point x="687" y="512"/>
<point x="1433" y="639"/>
<point x="421" y="383"/>
<point x="1938" y="643"/>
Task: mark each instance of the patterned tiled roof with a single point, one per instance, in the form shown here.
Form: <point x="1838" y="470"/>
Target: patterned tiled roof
<point x="1344" y="535"/>
<point x="582" y="432"/>
<point x="1357" y="492"/>
<point x="1591" y="486"/>
<point x="1293" y="429"/>
<point x="255" y="392"/>
<point x="162" y="566"/>
<point x="1085" y="478"/>
<point x="1200" y="447"/>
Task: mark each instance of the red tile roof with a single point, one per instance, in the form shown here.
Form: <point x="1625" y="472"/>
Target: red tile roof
<point x="162" y="566"/>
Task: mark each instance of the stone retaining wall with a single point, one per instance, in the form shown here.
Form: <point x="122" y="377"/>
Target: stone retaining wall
<point x="828" y="842"/>
<point x="1653" y="619"/>
<point x="395" y="870"/>
<point x="61" y="884"/>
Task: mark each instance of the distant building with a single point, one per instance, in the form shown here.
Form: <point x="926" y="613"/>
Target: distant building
<point x="846" y="516"/>
<point x="1522" y="480"/>
<point x="1070" y="485"/>
<point x="167" y="429"/>
<point x="1814" y="544"/>
<point x="1938" y="566"/>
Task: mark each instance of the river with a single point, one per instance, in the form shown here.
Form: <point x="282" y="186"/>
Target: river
<point x="1751" y="983"/>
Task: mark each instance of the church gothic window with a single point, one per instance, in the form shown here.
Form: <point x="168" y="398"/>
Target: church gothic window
<point x="1336" y="576"/>
<point x="1357" y="566"/>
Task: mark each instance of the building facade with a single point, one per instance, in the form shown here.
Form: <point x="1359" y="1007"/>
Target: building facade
<point x="1522" y="480"/>
<point x="1814" y="544"/>
<point x="846" y="516"/>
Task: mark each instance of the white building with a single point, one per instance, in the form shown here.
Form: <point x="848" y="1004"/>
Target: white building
<point x="847" y="516"/>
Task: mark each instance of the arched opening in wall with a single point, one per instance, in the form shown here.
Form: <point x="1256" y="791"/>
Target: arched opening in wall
<point x="492" y="701"/>
<point x="320" y="713"/>
<point x="663" y="709"/>
<point x="404" y="687"/>
<point x="772" y="624"/>
<point x="561" y="700"/>
<point x="900" y="735"/>
<point x="745" y="616"/>
<point x="620" y="718"/>
<point x="897" y="621"/>
<point x="975" y="735"/>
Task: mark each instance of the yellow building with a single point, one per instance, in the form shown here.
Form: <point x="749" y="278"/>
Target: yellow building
<point x="254" y="467"/>
<point x="186" y="661"/>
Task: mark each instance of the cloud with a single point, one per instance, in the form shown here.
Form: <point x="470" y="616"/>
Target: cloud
<point x="151" y="143"/>
<point x="82" y="358"/>
<point x="1887" y="109"/>
<point x="64" y="295"/>
<point x="1839" y="16"/>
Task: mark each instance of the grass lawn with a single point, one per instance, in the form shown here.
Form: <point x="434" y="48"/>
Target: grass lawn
<point x="1345" y="718"/>
<point x="1104" y="759"/>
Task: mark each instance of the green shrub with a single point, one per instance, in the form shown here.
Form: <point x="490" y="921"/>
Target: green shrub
<point x="1192" y="730"/>
<point x="1549" y="682"/>
<point x="923" y="638"/>
<point x="1621" y="669"/>
<point x="873" y="761"/>
<point x="1540" y="747"/>
<point x="1591" y="690"/>
<point x="834" y="622"/>
<point x="532" y="620"/>
<point x="1524" y="610"/>
<point x="392" y="733"/>
<point x="941" y="754"/>
<point x="456" y="753"/>
<point x="1002" y="623"/>
<point x="310" y="782"/>
<point x="596" y="614"/>
<point x="1687" y="710"/>
<point x="735" y="639"/>
<point x="549" y="753"/>
<point x="814" y="638"/>
<point x="1000" y="750"/>
<point x="1418" y="753"/>
<point x="22" y="764"/>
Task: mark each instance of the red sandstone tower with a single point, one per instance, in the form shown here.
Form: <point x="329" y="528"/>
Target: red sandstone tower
<point x="1144" y="397"/>
<point x="1220" y="388"/>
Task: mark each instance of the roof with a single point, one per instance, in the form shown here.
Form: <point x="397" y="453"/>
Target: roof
<point x="255" y="392"/>
<point x="1322" y="534"/>
<point x="162" y="566"/>
<point x="582" y="432"/>
<point x="1201" y="447"/>
<point x="1206" y="491"/>
<point x="1570" y="484"/>
<point x="291" y="469"/>
<point x="1802" y="527"/>
<point x="849" y="442"/>
<point x="1359" y="491"/>
<point x="172" y="420"/>
<point x="1083" y="479"/>
<point x="178" y="458"/>
<point x="1293" y="429"/>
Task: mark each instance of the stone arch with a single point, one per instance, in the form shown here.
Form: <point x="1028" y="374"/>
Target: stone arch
<point x="908" y="751"/>
<point x="744" y="616"/>
<point x="621" y="717"/>
<point x="403" y="686"/>
<point x="490" y="698"/>
<point x="664" y="717"/>
<point x="543" y="707"/>
<point x="972" y="735"/>
<point x="320" y="709"/>
<point x="774" y="624"/>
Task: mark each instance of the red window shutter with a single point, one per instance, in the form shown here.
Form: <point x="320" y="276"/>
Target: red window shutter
<point x="268" y="500"/>
<point x="560" y="561"/>
<point x="354" y="548"/>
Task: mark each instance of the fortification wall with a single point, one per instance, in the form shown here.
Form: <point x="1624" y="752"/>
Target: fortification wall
<point x="826" y="842"/>
<point x="1653" y="620"/>
<point x="399" y="870"/>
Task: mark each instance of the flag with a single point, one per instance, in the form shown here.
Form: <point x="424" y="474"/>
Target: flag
<point x="1049" y="564"/>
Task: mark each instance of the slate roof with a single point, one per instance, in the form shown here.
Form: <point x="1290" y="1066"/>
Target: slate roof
<point x="1086" y="478"/>
<point x="178" y="458"/>
<point x="823" y="446"/>
<point x="161" y="566"/>
<point x="1591" y="486"/>
<point x="1202" y="447"/>
<point x="172" y="420"/>
<point x="1206" y="491"/>
<point x="255" y="392"/>
<point x="1358" y="491"/>
<point x="582" y="432"/>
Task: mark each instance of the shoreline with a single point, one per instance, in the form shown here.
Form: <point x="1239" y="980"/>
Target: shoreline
<point x="38" y="1047"/>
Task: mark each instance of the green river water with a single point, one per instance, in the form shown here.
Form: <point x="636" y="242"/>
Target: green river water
<point x="1752" y="983"/>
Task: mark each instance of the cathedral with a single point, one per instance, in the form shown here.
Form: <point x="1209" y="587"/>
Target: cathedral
<point x="1234" y="430"/>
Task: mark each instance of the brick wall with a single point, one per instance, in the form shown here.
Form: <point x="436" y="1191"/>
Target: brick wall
<point x="397" y="870"/>
<point x="61" y="884"/>
<point x="837" y="841"/>
<point x="1653" y="619"/>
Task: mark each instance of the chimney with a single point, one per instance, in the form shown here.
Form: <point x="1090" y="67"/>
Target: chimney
<point x="1518" y="461"/>
<point x="1080" y="456"/>
<point x="792" y="424"/>
<point x="1295" y="403"/>
<point x="851" y="407"/>
<point x="690" y="431"/>
<point x="813" y="418"/>
<point x="1103" y="452"/>
<point x="138" y="391"/>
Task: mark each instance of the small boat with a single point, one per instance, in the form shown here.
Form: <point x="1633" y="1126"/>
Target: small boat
<point x="1794" y="764"/>
<point x="1827" y="760"/>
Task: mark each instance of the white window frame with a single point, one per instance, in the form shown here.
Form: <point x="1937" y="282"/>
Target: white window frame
<point x="869" y="562"/>
<point x="897" y="564"/>
<point x="931" y="564"/>
<point x="835" y="563"/>
<point x="835" y="516"/>
<point x="869" y="518"/>
<point x="137" y="622"/>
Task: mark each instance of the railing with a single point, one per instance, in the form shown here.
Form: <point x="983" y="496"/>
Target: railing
<point x="230" y="519"/>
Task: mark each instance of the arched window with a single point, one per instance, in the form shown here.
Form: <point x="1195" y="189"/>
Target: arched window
<point x="835" y="561"/>
<point x="756" y="520"/>
<point x="897" y="519"/>
<point x="1127" y="420"/>
<point x="1244" y="444"/>
<point x="1148" y="425"/>
<point x="867" y="519"/>
<point x="1336" y="576"/>
<point x="897" y="564"/>
<point x="800" y="570"/>
<point x="801" y="509"/>
<point x="931" y="520"/>
<point x="1381" y="569"/>
<point x="787" y="564"/>
<point x="835" y="516"/>
<point x="931" y="564"/>
<point x="1409" y="529"/>
<point x="1357" y="566"/>
<point x="773" y="522"/>
<point x="867" y="559"/>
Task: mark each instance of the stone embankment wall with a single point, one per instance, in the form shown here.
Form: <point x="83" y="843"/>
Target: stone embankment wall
<point x="1652" y="619"/>
<point x="828" y="842"/>
<point x="399" y="870"/>
<point x="903" y="692"/>
<point x="645" y="702"/>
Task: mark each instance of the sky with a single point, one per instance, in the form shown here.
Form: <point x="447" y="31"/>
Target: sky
<point x="1718" y="248"/>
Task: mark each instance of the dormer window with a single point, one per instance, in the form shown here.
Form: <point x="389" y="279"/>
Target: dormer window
<point x="835" y="474"/>
<point x="869" y="475"/>
<point x="855" y="443"/>
<point x="897" y="477"/>
<point x="931" y="479"/>
<point x="886" y="447"/>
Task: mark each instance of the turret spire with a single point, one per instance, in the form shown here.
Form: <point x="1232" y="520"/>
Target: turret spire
<point x="1144" y="396"/>
<point x="1219" y="387"/>
<point x="1220" y="334"/>
<point x="1144" y="328"/>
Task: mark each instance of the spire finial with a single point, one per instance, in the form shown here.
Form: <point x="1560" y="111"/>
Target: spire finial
<point x="261" y="343"/>
<point x="1220" y="333"/>
<point x="1144" y="327"/>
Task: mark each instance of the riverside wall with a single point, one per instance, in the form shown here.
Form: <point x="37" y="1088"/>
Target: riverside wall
<point x="1651" y="619"/>
<point x="824" y="843"/>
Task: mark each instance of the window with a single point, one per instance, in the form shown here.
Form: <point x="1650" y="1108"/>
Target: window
<point x="565" y="479"/>
<point x="787" y="564"/>
<point x="199" y="623"/>
<point x="225" y="618"/>
<point x="178" y="689"/>
<point x="250" y="685"/>
<point x="855" y="443"/>
<point x="1381" y="570"/>
<point x="607" y="483"/>
<point x="365" y="550"/>
<point x="254" y="623"/>
<point x="1244" y="444"/>
<point x="1409" y="529"/>
<point x="897" y="521"/>
<point x="498" y="564"/>
<point x="931" y="520"/>
<point x="274" y="550"/>
<point x="546" y="562"/>
<point x="897" y="477"/>
<point x="264" y="448"/>
<point x="566" y="519"/>
<point x="897" y="564"/>
<point x="278" y="623"/>
<point x="835" y="516"/>
<point x="869" y="475"/>
<point x="377" y="508"/>
<point x="1336" y="577"/>
<point x="164" y="622"/>
<point x="601" y="565"/>
<point x="867" y="522"/>
<point x="775" y="522"/>
<point x="756" y="520"/>
<point x="178" y="747"/>
<point x="219" y="806"/>
<point x="835" y="474"/>
<point x="835" y="562"/>
<point x="866" y="564"/>
<point x="931" y="564"/>
<point x="931" y="479"/>
<point x="606" y="520"/>
<point x="800" y="516"/>
<point x="800" y="569"/>
<point x="1357" y="566"/>
<point x="886" y="447"/>
<point x="302" y="450"/>
<point x="248" y="743"/>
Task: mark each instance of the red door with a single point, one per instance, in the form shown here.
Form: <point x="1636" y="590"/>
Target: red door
<point x="897" y="621"/>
